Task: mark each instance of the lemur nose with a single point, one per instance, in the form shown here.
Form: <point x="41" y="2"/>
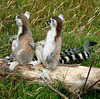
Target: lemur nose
<point x="14" y="20"/>
<point x="47" y="23"/>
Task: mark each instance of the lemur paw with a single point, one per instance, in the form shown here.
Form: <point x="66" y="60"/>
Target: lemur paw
<point x="12" y="65"/>
<point x="48" y="59"/>
<point x="10" y="41"/>
<point x="9" y="63"/>
<point x="41" y="70"/>
<point x="33" y="63"/>
<point x="7" y="58"/>
<point x="11" y="68"/>
<point x="45" y="72"/>
<point x="32" y="45"/>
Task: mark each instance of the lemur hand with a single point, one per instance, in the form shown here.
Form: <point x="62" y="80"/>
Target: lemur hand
<point x="32" y="45"/>
<point x="12" y="38"/>
<point x="49" y="58"/>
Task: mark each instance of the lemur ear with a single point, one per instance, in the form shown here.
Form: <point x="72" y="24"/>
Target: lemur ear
<point x="27" y="14"/>
<point x="61" y="16"/>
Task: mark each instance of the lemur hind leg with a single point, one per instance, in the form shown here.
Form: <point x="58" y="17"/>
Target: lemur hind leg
<point x="49" y="67"/>
<point x="23" y="57"/>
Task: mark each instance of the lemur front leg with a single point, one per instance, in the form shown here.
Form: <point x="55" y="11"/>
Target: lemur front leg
<point x="12" y="42"/>
<point x="34" y="63"/>
<point x="32" y="45"/>
<point x="39" y="49"/>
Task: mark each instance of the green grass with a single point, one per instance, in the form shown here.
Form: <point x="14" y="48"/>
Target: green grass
<point x="19" y="88"/>
<point x="81" y="24"/>
<point x="15" y="87"/>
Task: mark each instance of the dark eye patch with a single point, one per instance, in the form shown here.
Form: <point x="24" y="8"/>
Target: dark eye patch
<point x="53" y="21"/>
<point x="49" y="21"/>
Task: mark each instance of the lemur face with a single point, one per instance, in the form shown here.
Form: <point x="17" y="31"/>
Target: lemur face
<point x="56" y="21"/>
<point x="21" y="19"/>
<point x="52" y="22"/>
<point x="18" y="21"/>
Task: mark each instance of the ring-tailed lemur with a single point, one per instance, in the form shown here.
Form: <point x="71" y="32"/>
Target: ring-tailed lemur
<point x="48" y="50"/>
<point x="21" y="51"/>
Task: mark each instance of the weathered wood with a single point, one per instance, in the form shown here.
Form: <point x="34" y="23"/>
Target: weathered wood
<point x="72" y="77"/>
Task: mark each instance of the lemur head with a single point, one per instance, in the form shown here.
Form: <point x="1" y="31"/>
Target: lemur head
<point x="22" y="20"/>
<point x="56" y="21"/>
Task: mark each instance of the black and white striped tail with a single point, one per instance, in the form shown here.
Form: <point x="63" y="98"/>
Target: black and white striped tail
<point x="79" y="56"/>
<point x="71" y="51"/>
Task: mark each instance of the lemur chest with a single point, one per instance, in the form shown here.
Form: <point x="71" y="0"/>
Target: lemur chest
<point x="19" y="32"/>
<point x="50" y="36"/>
<point x="49" y="44"/>
<point x="23" y="41"/>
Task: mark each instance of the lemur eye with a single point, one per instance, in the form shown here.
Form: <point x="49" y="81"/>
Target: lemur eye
<point x="52" y="20"/>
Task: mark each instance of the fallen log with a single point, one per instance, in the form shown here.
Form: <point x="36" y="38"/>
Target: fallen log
<point x="72" y="77"/>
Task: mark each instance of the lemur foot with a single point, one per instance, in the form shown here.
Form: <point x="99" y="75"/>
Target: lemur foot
<point x="45" y="72"/>
<point x="7" y="58"/>
<point x="12" y="65"/>
<point x="34" y="63"/>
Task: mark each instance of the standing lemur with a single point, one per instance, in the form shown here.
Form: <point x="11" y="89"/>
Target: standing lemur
<point x="21" y="51"/>
<point x="48" y="50"/>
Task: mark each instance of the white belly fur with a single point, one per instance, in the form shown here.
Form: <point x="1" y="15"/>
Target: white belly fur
<point x="49" y="45"/>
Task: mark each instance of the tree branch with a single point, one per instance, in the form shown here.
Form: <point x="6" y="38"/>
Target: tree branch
<point x="59" y="93"/>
